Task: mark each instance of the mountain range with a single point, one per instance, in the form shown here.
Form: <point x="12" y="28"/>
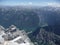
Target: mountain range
<point x="44" y="22"/>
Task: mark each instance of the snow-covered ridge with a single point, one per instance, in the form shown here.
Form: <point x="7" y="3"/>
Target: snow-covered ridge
<point x="13" y="36"/>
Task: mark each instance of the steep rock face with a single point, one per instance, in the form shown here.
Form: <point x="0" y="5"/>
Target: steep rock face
<point x="43" y="37"/>
<point x="21" y="17"/>
<point x="29" y="18"/>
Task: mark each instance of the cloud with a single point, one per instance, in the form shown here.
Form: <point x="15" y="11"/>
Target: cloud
<point x="30" y="3"/>
<point x="55" y="4"/>
<point x="26" y="3"/>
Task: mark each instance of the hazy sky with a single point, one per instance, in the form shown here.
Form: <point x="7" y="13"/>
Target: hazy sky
<point x="28" y="2"/>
